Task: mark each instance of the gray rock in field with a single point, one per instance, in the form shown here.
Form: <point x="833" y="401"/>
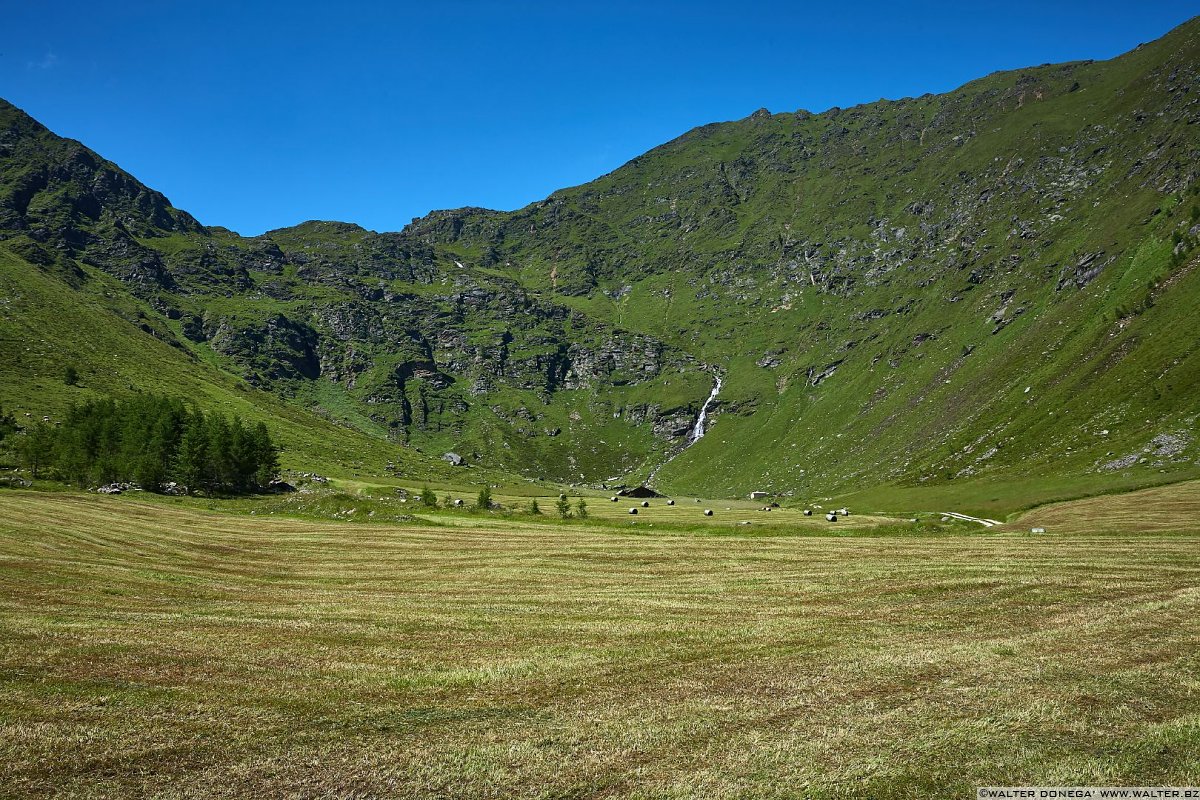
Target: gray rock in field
<point x="454" y="459"/>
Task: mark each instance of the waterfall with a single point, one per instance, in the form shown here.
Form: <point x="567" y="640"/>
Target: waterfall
<point x="698" y="429"/>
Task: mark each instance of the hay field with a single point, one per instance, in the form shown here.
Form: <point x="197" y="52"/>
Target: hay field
<point x="154" y="650"/>
<point x="1162" y="509"/>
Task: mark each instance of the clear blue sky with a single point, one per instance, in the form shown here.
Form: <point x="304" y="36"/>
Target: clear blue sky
<point x="258" y="115"/>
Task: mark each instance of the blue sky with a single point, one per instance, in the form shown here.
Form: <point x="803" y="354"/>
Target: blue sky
<point x="260" y="115"/>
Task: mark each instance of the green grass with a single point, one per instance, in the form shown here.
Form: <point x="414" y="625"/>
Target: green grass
<point x="1162" y="509"/>
<point x="44" y="327"/>
<point x="151" y="649"/>
<point x="930" y="248"/>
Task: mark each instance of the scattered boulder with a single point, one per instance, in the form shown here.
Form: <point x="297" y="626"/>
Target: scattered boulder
<point x="454" y="459"/>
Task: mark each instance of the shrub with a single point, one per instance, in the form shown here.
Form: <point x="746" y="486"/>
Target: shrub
<point x="8" y="424"/>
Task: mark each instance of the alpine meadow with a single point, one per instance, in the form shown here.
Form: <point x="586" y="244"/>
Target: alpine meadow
<point x="807" y="455"/>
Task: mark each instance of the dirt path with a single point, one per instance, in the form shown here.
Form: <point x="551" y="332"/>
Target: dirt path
<point x="987" y="523"/>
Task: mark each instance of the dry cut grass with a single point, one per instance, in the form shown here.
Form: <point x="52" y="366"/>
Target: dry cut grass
<point x="151" y="650"/>
<point x="1163" y="509"/>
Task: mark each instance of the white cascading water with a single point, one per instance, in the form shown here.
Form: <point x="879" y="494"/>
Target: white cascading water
<point x="698" y="430"/>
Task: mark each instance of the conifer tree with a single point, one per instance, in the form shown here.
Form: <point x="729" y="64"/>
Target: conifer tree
<point x="483" y="501"/>
<point x="266" y="456"/>
<point x="36" y="448"/>
<point x="191" y="462"/>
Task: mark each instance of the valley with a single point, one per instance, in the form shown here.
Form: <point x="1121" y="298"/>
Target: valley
<point x="824" y="455"/>
<point x="984" y="287"/>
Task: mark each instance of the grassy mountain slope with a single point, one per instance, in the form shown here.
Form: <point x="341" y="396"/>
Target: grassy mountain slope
<point x="984" y="296"/>
<point x="408" y="348"/>
<point x="884" y="283"/>
<point x="117" y="346"/>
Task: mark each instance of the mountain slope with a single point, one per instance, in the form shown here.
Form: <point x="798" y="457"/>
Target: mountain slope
<point x="883" y="283"/>
<point x="992" y="287"/>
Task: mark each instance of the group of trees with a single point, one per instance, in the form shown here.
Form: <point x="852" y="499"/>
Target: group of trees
<point x="151" y="440"/>
<point x="484" y="502"/>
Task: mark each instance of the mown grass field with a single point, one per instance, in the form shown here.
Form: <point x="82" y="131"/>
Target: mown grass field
<point x="158" y="649"/>
<point x="1161" y="509"/>
<point x="684" y="513"/>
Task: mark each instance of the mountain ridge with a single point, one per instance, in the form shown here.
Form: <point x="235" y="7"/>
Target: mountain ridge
<point x="842" y="269"/>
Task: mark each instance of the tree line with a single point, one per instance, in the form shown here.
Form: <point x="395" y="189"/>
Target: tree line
<point x="150" y="440"/>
